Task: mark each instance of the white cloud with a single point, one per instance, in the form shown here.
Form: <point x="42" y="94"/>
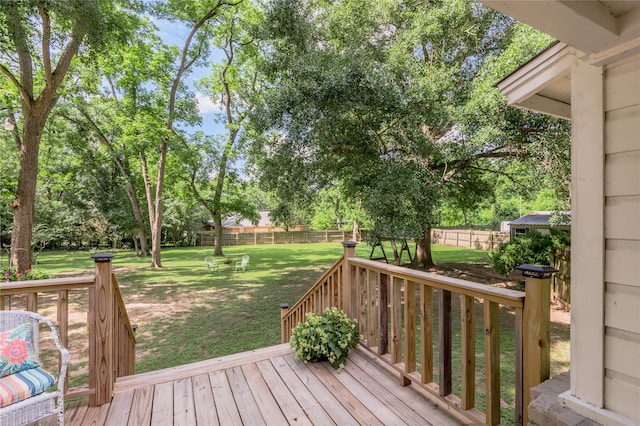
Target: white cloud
<point x="206" y="105"/>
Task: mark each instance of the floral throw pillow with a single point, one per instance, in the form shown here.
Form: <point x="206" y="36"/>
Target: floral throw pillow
<point x="16" y="350"/>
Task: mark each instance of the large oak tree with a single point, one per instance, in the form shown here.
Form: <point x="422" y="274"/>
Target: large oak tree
<point x="395" y="100"/>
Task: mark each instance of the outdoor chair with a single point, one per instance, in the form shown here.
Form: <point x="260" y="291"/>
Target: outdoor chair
<point x="23" y="384"/>
<point x="242" y="264"/>
<point x="211" y="264"/>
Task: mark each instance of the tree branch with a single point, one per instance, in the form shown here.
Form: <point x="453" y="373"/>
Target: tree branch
<point x="46" y="47"/>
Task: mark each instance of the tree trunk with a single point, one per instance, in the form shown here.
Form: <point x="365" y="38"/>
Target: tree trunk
<point x="156" y="227"/>
<point x="356" y="230"/>
<point x="217" y="250"/>
<point x="423" y="257"/>
<point x="24" y="204"/>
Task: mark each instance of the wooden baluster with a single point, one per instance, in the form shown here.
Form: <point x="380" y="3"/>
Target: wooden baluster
<point x="410" y="329"/>
<point x="492" y="362"/>
<point x="32" y="302"/>
<point x="383" y="314"/>
<point x="426" y="333"/>
<point x="372" y="310"/>
<point x="396" y="320"/>
<point x="63" y="325"/>
<point x="363" y="298"/>
<point x="467" y="321"/>
<point x="519" y="400"/>
<point x="444" y="311"/>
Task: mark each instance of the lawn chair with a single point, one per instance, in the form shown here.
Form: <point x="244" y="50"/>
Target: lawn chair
<point x="211" y="264"/>
<point x="242" y="263"/>
<point x="23" y="396"/>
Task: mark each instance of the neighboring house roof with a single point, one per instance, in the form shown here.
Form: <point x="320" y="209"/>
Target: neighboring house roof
<point x="539" y="218"/>
<point x="265" y="220"/>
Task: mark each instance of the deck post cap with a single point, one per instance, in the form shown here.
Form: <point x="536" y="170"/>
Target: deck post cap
<point x="103" y="257"/>
<point x="349" y="243"/>
<point x="536" y="271"/>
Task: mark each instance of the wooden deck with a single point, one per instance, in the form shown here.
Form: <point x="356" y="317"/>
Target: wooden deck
<point x="266" y="387"/>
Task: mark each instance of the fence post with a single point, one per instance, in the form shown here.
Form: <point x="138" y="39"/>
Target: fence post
<point x="349" y="252"/>
<point x="536" y="332"/>
<point x="102" y="368"/>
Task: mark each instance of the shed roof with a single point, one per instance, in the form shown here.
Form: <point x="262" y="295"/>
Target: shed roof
<point x="539" y="218"/>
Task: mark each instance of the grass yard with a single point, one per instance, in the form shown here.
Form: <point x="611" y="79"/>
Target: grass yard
<point x="186" y="314"/>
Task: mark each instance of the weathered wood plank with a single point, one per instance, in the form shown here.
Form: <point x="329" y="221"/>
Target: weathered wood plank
<point x="379" y="388"/>
<point x="183" y="408"/>
<point x="427" y="406"/>
<point x="467" y="321"/>
<point x="307" y="390"/>
<point x="162" y="411"/>
<point x="358" y="392"/>
<point x="290" y="408"/>
<point x="223" y="395"/>
<point x="196" y="368"/>
<point x="266" y="402"/>
<point x="246" y="403"/>
<point x="203" y="401"/>
<point x="383" y="314"/>
<point x="444" y="312"/>
<point x="141" y="407"/>
<point x="426" y="333"/>
<point x="372" y="309"/>
<point x="492" y="362"/>
<point x="396" y="320"/>
<point x="410" y="316"/>
<point x="119" y="409"/>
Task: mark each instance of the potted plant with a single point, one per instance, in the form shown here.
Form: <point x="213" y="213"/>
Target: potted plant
<point x="327" y="336"/>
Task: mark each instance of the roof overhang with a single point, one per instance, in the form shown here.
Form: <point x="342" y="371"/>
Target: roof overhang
<point x="596" y="32"/>
<point x="606" y="30"/>
<point x="544" y="83"/>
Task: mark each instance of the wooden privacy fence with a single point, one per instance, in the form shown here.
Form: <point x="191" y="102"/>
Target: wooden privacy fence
<point x="400" y="310"/>
<point x="276" y="237"/>
<point x="561" y="288"/>
<point x="111" y="339"/>
<point x="469" y="238"/>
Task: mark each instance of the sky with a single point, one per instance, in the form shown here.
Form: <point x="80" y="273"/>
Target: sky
<point x="175" y="34"/>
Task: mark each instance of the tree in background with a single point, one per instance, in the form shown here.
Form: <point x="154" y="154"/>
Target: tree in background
<point x="38" y="43"/>
<point x="396" y="100"/>
<point x="236" y="85"/>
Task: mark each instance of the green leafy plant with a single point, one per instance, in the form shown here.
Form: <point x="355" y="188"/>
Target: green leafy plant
<point x="9" y="274"/>
<point x="327" y="336"/>
<point x="531" y="248"/>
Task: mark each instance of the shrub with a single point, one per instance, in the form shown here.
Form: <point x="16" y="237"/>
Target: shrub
<point x="530" y="248"/>
<point x="9" y="274"/>
<point x="328" y="336"/>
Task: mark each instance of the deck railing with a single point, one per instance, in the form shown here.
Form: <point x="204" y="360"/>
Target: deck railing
<point x="111" y="339"/>
<point x="395" y="310"/>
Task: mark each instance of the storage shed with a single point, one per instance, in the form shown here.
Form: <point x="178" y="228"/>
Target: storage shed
<point x="539" y="221"/>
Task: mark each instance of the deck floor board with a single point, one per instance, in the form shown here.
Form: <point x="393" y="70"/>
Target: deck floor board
<point x="266" y="387"/>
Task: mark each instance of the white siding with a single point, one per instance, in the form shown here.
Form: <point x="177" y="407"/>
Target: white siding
<point x="622" y="238"/>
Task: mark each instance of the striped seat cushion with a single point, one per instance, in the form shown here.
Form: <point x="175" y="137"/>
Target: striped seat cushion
<point x="24" y="384"/>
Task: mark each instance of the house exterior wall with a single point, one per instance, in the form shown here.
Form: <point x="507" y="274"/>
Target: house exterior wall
<point x="622" y="238"/>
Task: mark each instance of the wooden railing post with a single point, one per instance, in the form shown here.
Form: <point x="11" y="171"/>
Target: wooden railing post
<point x="102" y="366"/>
<point x="536" y="332"/>
<point x="349" y="252"/>
<point x="284" y="330"/>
